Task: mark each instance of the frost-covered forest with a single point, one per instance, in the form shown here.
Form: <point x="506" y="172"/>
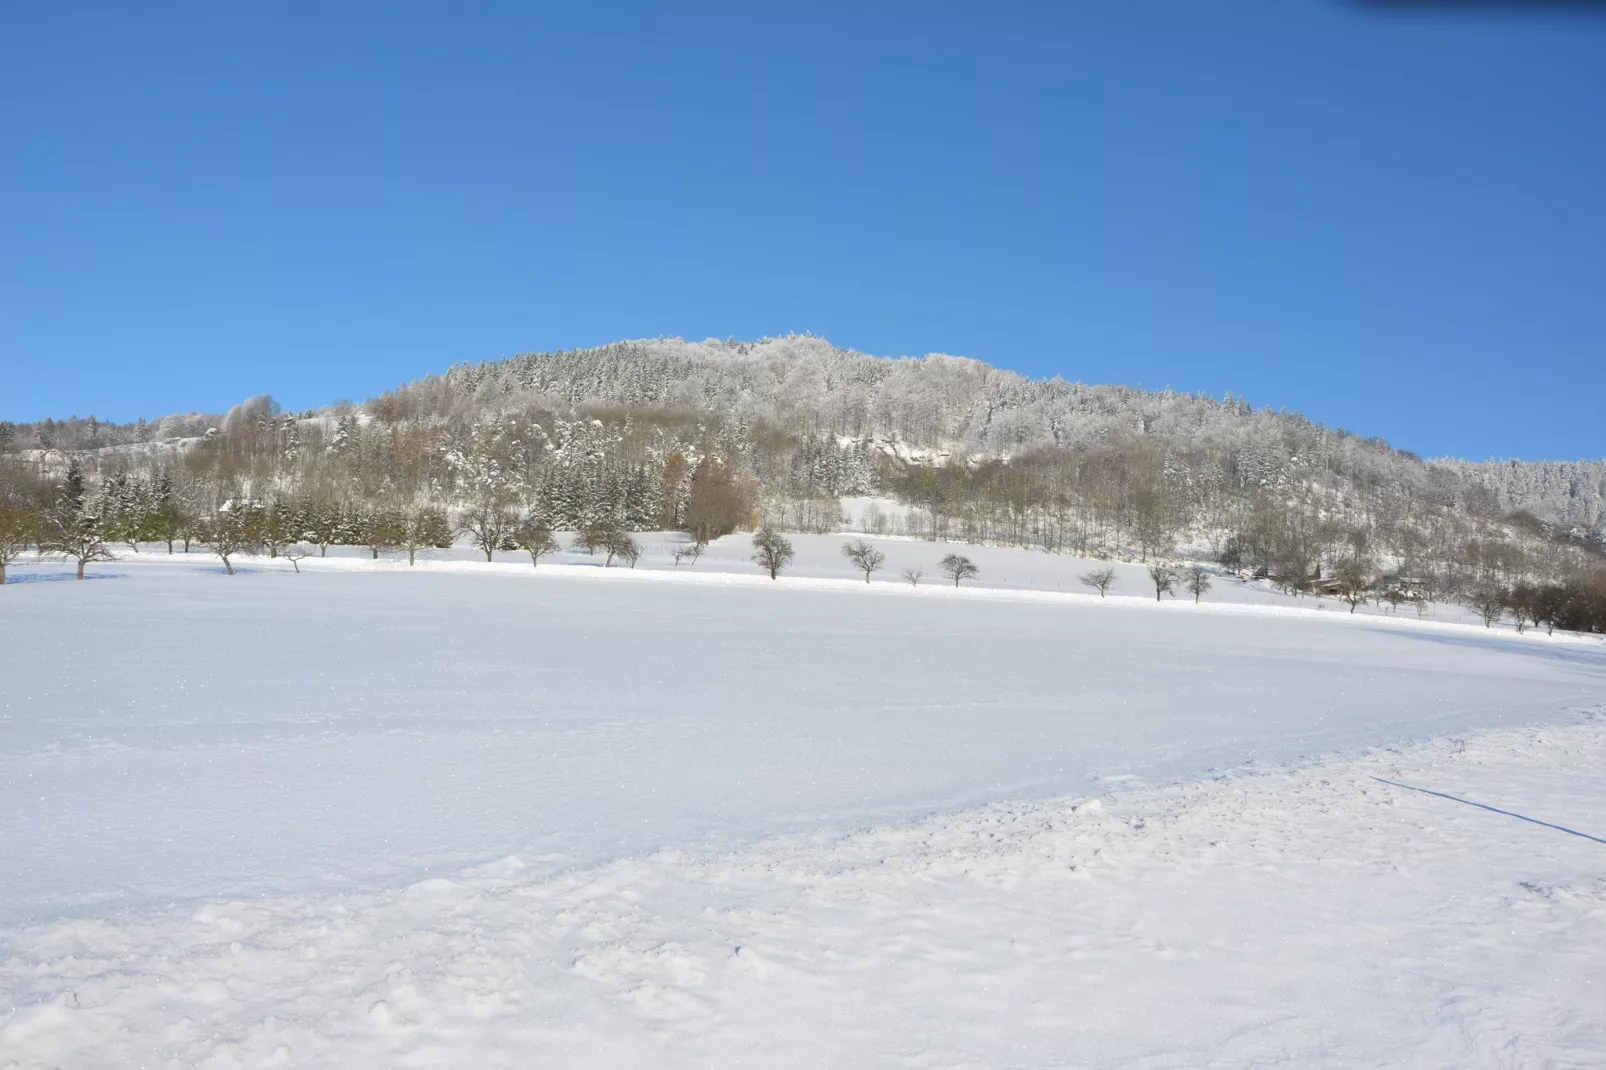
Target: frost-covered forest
<point x="709" y="437"/>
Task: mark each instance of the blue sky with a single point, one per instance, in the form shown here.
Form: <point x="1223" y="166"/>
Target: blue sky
<point x="1387" y="218"/>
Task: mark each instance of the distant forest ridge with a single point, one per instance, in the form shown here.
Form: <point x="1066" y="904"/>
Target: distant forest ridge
<point x="926" y="411"/>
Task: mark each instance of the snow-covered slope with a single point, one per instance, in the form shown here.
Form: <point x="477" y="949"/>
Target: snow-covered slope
<point x="1331" y="915"/>
<point x="505" y="815"/>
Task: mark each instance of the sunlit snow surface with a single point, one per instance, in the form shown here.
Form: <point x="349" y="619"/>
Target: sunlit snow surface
<point x="252" y="798"/>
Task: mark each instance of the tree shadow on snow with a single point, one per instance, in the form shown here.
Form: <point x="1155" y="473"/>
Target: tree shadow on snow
<point x="13" y="578"/>
<point x="1592" y="656"/>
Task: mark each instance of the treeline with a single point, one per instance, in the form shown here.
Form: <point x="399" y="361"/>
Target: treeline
<point x="90" y="433"/>
<point x="1134" y="497"/>
<point x="1090" y="505"/>
<point x="716" y="437"/>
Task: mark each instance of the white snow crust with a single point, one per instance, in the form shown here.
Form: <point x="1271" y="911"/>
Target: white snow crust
<point x="490" y="815"/>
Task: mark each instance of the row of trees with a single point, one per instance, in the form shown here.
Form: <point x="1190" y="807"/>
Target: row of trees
<point x="1137" y="498"/>
<point x="1576" y="604"/>
<point x="75" y="522"/>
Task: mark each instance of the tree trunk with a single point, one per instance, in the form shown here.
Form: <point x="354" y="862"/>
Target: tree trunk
<point x="226" y="566"/>
<point x="80" y="568"/>
<point x="410" y="557"/>
<point x="169" y="546"/>
<point x="2" y="573"/>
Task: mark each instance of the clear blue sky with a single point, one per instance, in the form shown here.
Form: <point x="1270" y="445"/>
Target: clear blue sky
<point x="1394" y="222"/>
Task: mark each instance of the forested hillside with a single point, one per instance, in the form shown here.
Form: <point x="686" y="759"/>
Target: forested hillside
<point x="713" y="436"/>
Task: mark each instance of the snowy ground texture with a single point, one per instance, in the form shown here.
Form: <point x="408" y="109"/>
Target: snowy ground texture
<point x="365" y="817"/>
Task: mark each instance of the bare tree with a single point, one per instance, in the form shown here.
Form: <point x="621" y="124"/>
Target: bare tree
<point x="592" y="536"/>
<point x="1522" y="600"/>
<point x="423" y="527"/>
<point x="1100" y="579"/>
<point x="1488" y="603"/>
<point x="772" y="552"/>
<point x="958" y="567"/>
<point x="1197" y="581"/>
<point x="234" y="529"/>
<point x="1550" y="602"/>
<point x="865" y="558"/>
<point x="489" y="524"/>
<point x="74" y="537"/>
<point x="295" y="553"/>
<point x="913" y="576"/>
<point x="690" y="551"/>
<point x="18" y="529"/>
<point x="536" y="539"/>
<point x="1165" y="579"/>
<point x="621" y="545"/>
<point x="1354" y="583"/>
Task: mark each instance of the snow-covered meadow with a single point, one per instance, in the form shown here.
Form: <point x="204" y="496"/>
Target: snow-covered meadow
<point x="471" y="815"/>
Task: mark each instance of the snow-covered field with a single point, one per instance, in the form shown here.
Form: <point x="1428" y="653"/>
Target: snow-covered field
<point x="470" y="815"/>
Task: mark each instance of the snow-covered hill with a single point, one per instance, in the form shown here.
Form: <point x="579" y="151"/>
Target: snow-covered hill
<point x="925" y="410"/>
<point x="940" y="406"/>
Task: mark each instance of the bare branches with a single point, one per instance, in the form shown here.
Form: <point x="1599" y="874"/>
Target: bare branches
<point x="958" y="567"/>
<point x="619" y="544"/>
<point x="771" y="552"/>
<point x="535" y="538"/>
<point x="690" y="551"/>
<point x="1100" y="579"/>
<point x="1354" y="582"/>
<point x="235" y="528"/>
<point x="865" y="558"/>
<point x="1165" y="579"/>
<point x="19" y="527"/>
<point x="489" y="523"/>
<point x="295" y="553"/>
<point x="1488" y="603"/>
<point x="423" y="527"/>
<point x="73" y="536"/>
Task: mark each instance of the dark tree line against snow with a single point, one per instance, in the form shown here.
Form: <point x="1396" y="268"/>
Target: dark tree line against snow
<point x="711" y="438"/>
